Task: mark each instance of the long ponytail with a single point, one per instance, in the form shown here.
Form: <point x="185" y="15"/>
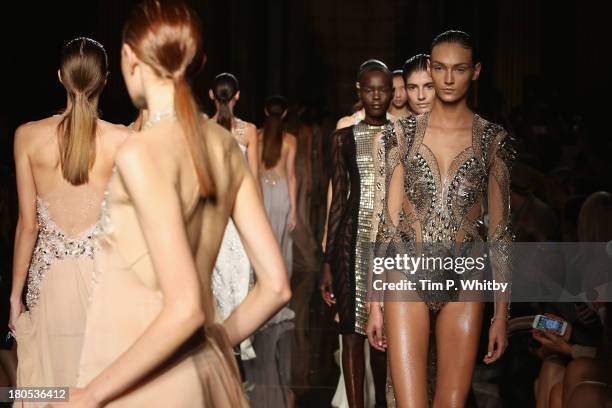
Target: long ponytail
<point x="166" y="35"/>
<point x="77" y="139"/>
<point x="83" y="69"/>
<point x="189" y="117"/>
<point x="276" y="106"/>
<point x="224" y="115"/>
<point x="225" y="87"/>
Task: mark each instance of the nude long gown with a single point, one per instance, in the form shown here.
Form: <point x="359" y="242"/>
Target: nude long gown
<point x="127" y="296"/>
<point x="50" y="333"/>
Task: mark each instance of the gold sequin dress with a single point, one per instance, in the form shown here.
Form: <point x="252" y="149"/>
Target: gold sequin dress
<point x="351" y="222"/>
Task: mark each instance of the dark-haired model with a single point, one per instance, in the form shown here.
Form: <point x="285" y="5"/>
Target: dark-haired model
<point x="232" y="275"/>
<point x="399" y="107"/>
<point x="419" y="85"/>
<point x="270" y="370"/>
<point x="63" y="164"/>
<point x="351" y="220"/>
<point x="441" y="169"/>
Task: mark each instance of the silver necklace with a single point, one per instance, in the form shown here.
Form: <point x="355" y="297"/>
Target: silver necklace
<point x="155" y="117"/>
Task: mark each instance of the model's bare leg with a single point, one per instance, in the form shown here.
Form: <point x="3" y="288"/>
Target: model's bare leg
<point x="378" y="363"/>
<point x="353" y="366"/>
<point x="555" y="399"/>
<point x="407" y="328"/>
<point x="551" y="373"/>
<point x="457" y="336"/>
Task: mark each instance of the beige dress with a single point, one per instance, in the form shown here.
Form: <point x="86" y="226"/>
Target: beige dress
<point x="50" y="334"/>
<point x="127" y="296"/>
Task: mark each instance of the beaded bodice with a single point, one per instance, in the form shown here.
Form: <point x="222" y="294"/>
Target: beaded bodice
<point x="53" y="244"/>
<point x="449" y="210"/>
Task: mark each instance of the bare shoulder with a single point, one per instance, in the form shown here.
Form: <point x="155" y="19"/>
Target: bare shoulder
<point x="344" y="122"/>
<point x="134" y="149"/>
<point x="116" y="133"/>
<point x="250" y="127"/>
<point x="215" y="133"/>
<point x="225" y="156"/>
<point x="290" y="138"/>
<point x="32" y="133"/>
<point x="219" y="140"/>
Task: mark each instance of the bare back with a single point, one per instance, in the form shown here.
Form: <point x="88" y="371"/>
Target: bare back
<point x="280" y="170"/>
<point x="73" y="209"/>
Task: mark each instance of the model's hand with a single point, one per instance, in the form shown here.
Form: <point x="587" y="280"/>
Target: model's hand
<point x="327" y="291"/>
<point x="78" y="398"/>
<point x="498" y="341"/>
<point x="374" y="330"/>
<point x="17" y="309"/>
<point x="292" y="220"/>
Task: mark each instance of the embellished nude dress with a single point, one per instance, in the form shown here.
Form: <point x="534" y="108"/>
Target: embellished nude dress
<point x="127" y="297"/>
<point x="233" y="276"/>
<point x="445" y="214"/>
<point x="50" y="333"/>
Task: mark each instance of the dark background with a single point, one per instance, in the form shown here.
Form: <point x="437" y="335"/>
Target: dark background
<point x="309" y="50"/>
<point x="545" y="77"/>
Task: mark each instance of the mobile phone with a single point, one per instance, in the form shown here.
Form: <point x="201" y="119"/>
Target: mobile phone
<point x="542" y="322"/>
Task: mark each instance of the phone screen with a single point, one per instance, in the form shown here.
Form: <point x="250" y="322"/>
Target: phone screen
<point x="546" y="323"/>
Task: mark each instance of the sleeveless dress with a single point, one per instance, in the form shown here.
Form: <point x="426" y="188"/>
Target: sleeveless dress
<point x="350" y="226"/>
<point x="127" y="297"/>
<point x="269" y="373"/>
<point x="233" y="276"/>
<point x="50" y="333"/>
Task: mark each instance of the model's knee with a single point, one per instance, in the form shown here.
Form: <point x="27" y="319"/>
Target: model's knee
<point x="555" y="398"/>
<point x="450" y="398"/>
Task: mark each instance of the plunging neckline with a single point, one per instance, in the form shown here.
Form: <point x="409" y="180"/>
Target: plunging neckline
<point x="449" y="171"/>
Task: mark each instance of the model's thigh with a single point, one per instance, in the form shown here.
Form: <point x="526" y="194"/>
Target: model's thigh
<point x="457" y="335"/>
<point x="407" y="331"/>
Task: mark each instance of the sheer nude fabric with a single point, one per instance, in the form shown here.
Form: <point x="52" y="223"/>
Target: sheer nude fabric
<point x="127" y="296"/>
<point x="439" y="214"/>
<point x="50" y="333"/>
<point x="444" y="214"/>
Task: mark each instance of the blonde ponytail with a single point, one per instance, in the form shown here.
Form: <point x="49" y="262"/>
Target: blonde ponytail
<point x="77" y="139"/>
<point x="83" y="69"/>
